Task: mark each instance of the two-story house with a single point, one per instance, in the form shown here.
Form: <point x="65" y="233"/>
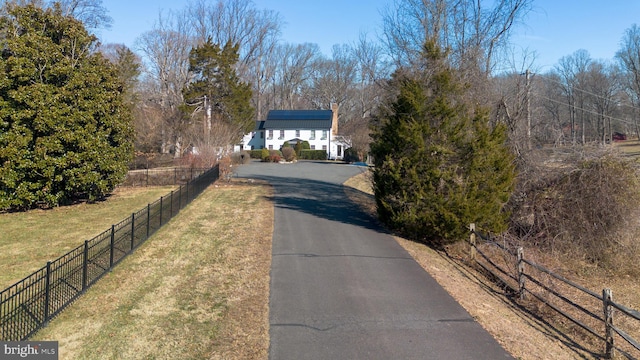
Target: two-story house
<point x="318" y="127"/>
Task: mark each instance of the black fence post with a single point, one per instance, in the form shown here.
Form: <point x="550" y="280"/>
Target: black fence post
<point x="161" y="210"/>
<point x="180" y="197"/>
<point x="171" y="205"/>
<point x="133" y="229"/>
<point x="47" y="296"/>
<point x="85" y="265"/>
<point x="113" y="240"/>
<point x="148" y="219"/>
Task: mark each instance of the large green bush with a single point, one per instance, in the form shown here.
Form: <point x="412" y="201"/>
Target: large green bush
<point x="256" y="154"/>
<point x="65" y="128"/>
<point x="313" y="154"/>
<point x="438" y="165"/>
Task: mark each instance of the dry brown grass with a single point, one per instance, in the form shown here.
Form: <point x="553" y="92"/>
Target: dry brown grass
<point x="198" y="289"/>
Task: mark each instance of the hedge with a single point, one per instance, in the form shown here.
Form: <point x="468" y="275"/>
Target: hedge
<point x="313" y="154"/>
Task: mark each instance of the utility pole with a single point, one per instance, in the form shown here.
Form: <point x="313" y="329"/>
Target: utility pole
<point x="207" y="119"/>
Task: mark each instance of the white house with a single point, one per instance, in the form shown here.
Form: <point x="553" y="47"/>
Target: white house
<point x="318" y="127"/>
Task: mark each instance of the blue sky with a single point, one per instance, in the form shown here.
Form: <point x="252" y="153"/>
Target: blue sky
<point x="554" y="29"/>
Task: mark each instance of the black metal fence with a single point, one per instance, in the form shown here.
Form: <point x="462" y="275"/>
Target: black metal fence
<point x="162" y="176"/>
<point x="29" y="304"/>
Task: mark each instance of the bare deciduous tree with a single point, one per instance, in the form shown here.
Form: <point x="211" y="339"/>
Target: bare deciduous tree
<point x="91" y="12"/>
<point x="471" y="30"/>
<point x="294" y="69"/>
<point x="166" y="48"/>
<point x="572" y="70"/>
<point x="629" y="58"/>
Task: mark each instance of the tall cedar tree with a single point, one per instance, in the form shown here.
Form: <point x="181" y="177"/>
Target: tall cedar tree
<point x="216" y="78"/>
<point x="65" y="132"/>
<point x="439" y="166"/>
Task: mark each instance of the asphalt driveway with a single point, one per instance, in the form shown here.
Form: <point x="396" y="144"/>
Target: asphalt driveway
<point x="342" y="288"/>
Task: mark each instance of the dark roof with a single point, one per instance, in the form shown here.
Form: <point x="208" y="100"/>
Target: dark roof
<point x="298" y="119"/>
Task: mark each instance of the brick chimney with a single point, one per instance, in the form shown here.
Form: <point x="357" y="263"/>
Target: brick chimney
<point x="334" y="119"/>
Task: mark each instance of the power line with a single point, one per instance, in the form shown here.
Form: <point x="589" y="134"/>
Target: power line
<point x="587" y="92"/>
<point x="585" y="110"/>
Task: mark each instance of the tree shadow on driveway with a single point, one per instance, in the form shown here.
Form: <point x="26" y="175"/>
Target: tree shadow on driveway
<point x="321" y="199"/>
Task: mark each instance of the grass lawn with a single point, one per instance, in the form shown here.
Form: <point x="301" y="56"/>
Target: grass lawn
<point x="45" y="235"/>
<point x="197" y="289"/>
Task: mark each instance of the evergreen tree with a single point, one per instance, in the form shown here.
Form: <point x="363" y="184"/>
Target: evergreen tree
<point x="127" y="65"/>
<point x="438" y="165"/>
<point x="65" y="132"/>
<point x="218" y="87"/>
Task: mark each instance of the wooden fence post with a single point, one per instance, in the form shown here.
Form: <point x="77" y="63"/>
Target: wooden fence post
<point x="521" y="284"/>
<point x="472" y="241"/>
<point x="607" y="298"/>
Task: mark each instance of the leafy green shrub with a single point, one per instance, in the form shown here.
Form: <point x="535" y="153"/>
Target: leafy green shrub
<point x="256" y="154"/>
<point x="313" y="154"/>
<point x="288" y="154"/>
<point x="264" y="155"/>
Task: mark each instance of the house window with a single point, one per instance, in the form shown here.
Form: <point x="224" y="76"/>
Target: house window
<point x="324" y="147"/>
<point x="297" y="133"/>
<point x="281" y="135"/>
<point x="313" y="135"/>
<point x="313" y="147"/>
<point x="261" y="134"/>
<point x="270" y="135"/>
<point x="339" y="150"/>
<point x="270" y="147"/>
<point x="324" y="135"/>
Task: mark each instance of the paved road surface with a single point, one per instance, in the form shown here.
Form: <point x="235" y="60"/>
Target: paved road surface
<point x="341" y="288"/>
